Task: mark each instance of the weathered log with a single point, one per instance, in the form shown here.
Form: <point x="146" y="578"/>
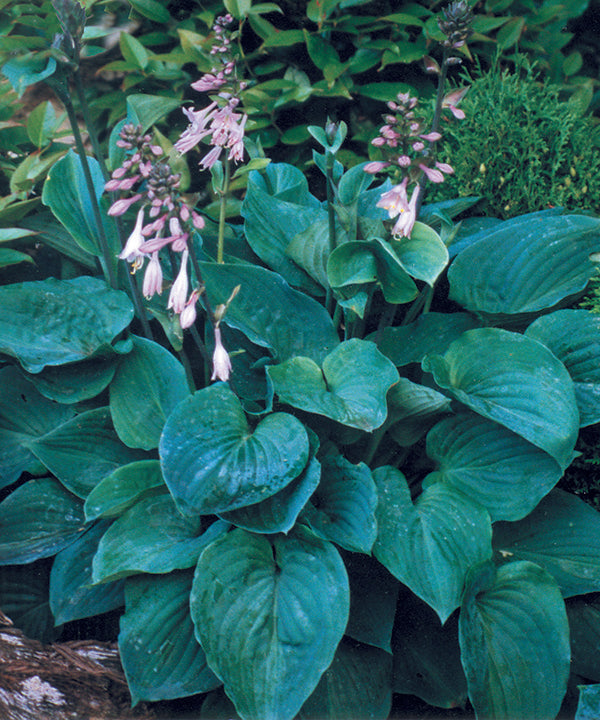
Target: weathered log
<point x="63" y="681"/>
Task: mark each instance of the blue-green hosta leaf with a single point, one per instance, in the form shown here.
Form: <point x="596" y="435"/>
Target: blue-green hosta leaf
<point x="278" y="513"/>
<point x="514" y="640"/>
<point x="423" y="255"/>
<point x="350" y="388"/>
<point x="490" y="464"/>
<point x="52" y="322"/>
<point x="525" y="270"/>
<point x="83" y="451"/>
<point x="310" y="249"/>
<point x="430" y="333"/>
<point x="37" y="520"/>
<point x="343" y="507"/>
<point x="123" y="488"/>
<point x="562" y="535"/>
<point x="588" y="707"/>
<point x="160" y="654"/>
<point x="147" y="386"/>
<point x="413" y="409"/>
<point x="269" y="615"/>
<point x="277" y="206"/>
<point x="288" y="322"/>
<point x="72" y="595"/>
<point x="75" y="382"/>
<point x="357" y="684"/>
<point x="213" y="462"/>
<point x="152" y="537"/>
<point x="427" y="655"/>
<point x="431" y="545"/>
<point x="514" y="381"/>
<point x="24" y="414"/>
<point x="66" y="194"/>
<point x="574" y="337"/>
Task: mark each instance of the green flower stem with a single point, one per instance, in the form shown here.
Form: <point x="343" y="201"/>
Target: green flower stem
<point x="329" y="299"/>
<point x="222" y="211"/>
<point x="108" y="270"/>
<point x="185" y="361"/>
<point x="93" y="135"/>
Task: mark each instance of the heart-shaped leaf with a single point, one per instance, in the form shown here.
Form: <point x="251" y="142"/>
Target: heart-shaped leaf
<point x="72" y="595"/>
<point x="514" y="641"/>
<point x="160" y="654"/>
<point x="431" y="545"/>
<point x="83" y="451"/>
<point x="148" y="384"/>
<point x="212" y="460"/>
<point x="527" y="270"/>
<point x="269" y="616"/>
<point x="24" y="414"/>
<point x="152" y="537"/>
<point x="514" y="381"/>
<point x="490" y="464"/>
<point x="350" y="389"/>
<point x="37" y="520"/>
<point x="574" y="337"/>
<point x="343" y="507"/>
<point x="562" y="535"/>
<point x="72" y="383"/>
<point x="52" y="322"/>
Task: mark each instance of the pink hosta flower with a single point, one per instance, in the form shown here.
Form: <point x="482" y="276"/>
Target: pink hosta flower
<point x="445" y="168"/>
<point x="197" y="129"/>
<point x="131" y="252"/>
<point x="235" y="143"/>
<point x="188" y="314"/>
<point x="209" y="82"/>
<point x="451" y="101"/>
<point x="122" y="206"/>
<point x="179" y="291"/>
<point x="434" y="175"/>
<point x="375" y="167"/>
<point x="396" y="202"/>
<point x="211" y="158"/>
<point x="152" y="277"/>
<point x="221" y="361"/>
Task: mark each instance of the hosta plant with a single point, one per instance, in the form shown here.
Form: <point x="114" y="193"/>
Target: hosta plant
<point x="321" y="469"/>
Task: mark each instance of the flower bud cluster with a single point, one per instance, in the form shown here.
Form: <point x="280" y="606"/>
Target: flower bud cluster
<point x="163" y="218"/>
<point x="456" y="23"/>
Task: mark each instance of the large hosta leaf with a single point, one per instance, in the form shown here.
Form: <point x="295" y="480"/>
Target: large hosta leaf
<point x="269" y="616"/>
<point x="429" y="546"/>
<point x="83" y="451"/>
<point x="159" y="651"/>
<point x="37" y="520"/>
<point x="357" y="684"/>
<point x="212" y="461"/>
<point x="288" y="323"/>
<point x="350" y="388"/>
<point x="148" y="384"/>
<point x="24" y="414"/>
<point x="52" y="322"/>
<point x="562" y="535"/>
<point x="574" y="337"/>
<point x="74" y="382"/>
<point x="72" y="595"/>
<point x="514" y="381"/>
<point x="528" y="269"/>
<point x="490" y="464"/>
<point x="584" y="623"/>
<point x="344" y="505"/>
<point x="514" y="639"/>
<point x="413" y="409"/>
<point x="152" y="537"/>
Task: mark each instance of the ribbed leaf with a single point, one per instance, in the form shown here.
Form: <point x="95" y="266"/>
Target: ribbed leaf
<point x="429" y="546"/>
<point x="147" y="386"/>
<point x="514" y="381"/>
<point x="152" y="537"/>
<point x="213" y="462"/>
<point x="574" y="337"/>
<point x="490" y="464"/>
<point x="526" y="270"/>
<point x="514" y="640"/>
<point x="351" y="388"/>
<point x="160" y="654"/>
<point x="52" y="322"/>
<point x="269" y="616"/>
<point x="562" y="535"/>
